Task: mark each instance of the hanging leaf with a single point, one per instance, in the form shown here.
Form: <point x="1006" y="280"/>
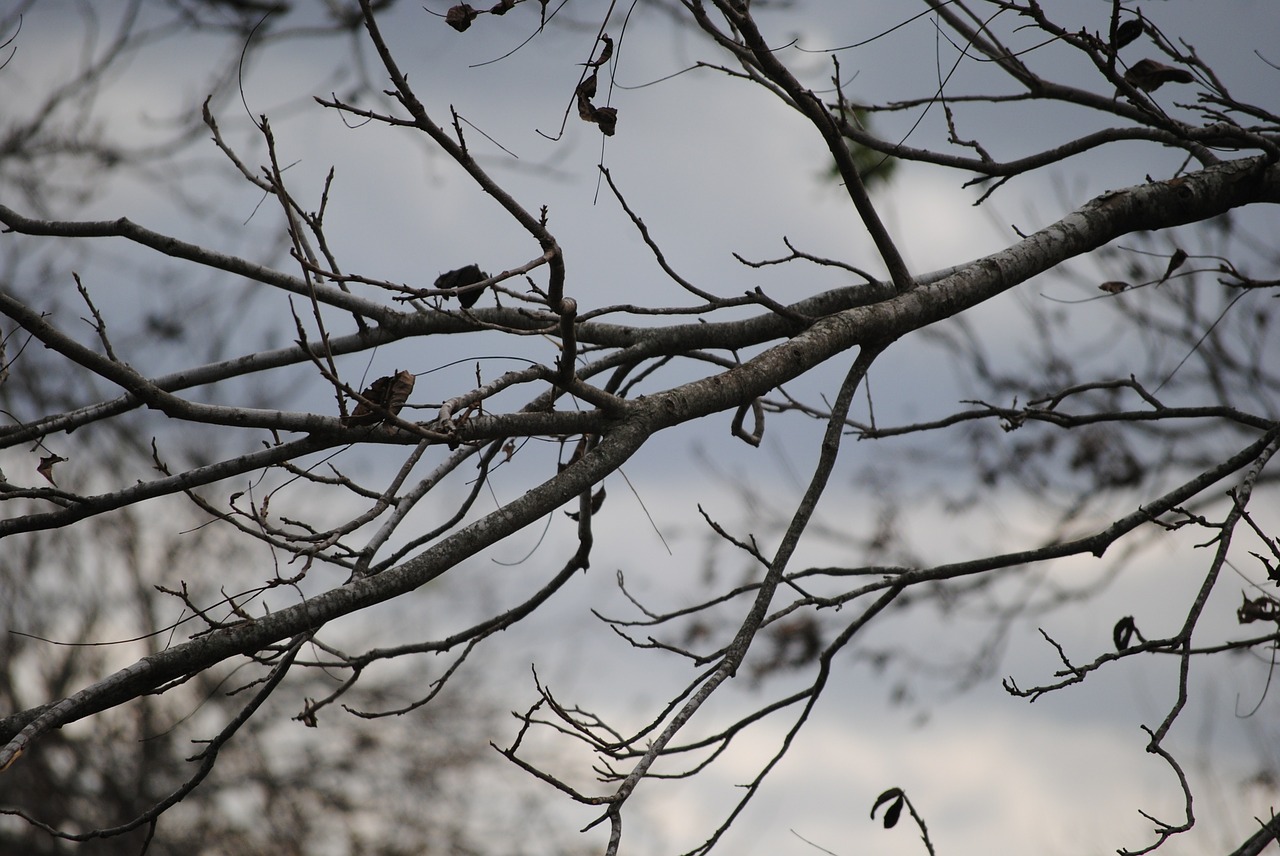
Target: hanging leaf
<point x="503" y="7"/>
<point x="308" y="715"/>
<point x="606" y="118"/>
<point x="461" y="278"/>
<point x="578" y="451"/>
<point x="597" y="500"/>
<point x="1114" y="286"/>
<point x="586" y="89"/>
<point x="1175" y="261"/>
<point x="605" y="52"/>
<point x="460" y="17"/>
<point x="384" y="397"/>
<point x="47" y="464"/>
<point x="1149" y="75"/>
<point x="1128" y="32"/>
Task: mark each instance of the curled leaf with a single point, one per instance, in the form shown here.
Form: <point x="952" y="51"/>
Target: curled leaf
<point x="1114" y="286"/>
<point x="46" y="466"/>
<point x="606" y="118"/>
<point x="1123" y="632"/>
<point x="586" y="89"/>
<point x="1263" y="608"/>
<point x="1149" y="75"/>
<point x="460" y="17"/>
<point x="605" y="52"/>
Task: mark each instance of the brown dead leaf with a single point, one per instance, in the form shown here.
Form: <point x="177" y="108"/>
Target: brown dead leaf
<point x="1175" y="261"/>
<point x="1149" y="75"/>
<point x="597" y="500"/>
<point x="1128" y="32"/>
<point x="47" y="464"/>
<point x="605" y="52"/>
<point x="460" y="17"/>
<point x="460" y="278"/>
<point x="384" y="397"/>
<point x="578" y="451"/>
<point x="606" y="118"/>
<point x="1114" y="287"/>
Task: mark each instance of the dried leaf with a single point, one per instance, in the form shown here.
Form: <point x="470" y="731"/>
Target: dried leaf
<point x="401" y="388"/>
<point x="460" y="17"/>
<point x="461" y="278"/>
<point x="46" y="466"/>
<point x="1128" y="32"/>
<point x="585" y="108"/>
<point x="1175" y="261"/>
<point x="1124" y="631"/>
<point x="597" y="500"/>
<point x="607" y="119"/>
<point x="578" y="451"/>
<point x="1149" y="75"/>
<point x="605" y="52"/>
<point x="1273" y="571"/>
<point x="1263" y="608"/>
<point x="1114" y="286"/>
<point x="384" y="397"/>
<point x="604" y="117"/>
<point x="503" y="7"/>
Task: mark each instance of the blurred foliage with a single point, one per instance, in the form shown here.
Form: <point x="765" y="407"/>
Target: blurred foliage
<point x="875" y="168"/>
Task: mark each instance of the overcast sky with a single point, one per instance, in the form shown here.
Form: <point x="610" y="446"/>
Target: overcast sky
<point x="716" y="166"/>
